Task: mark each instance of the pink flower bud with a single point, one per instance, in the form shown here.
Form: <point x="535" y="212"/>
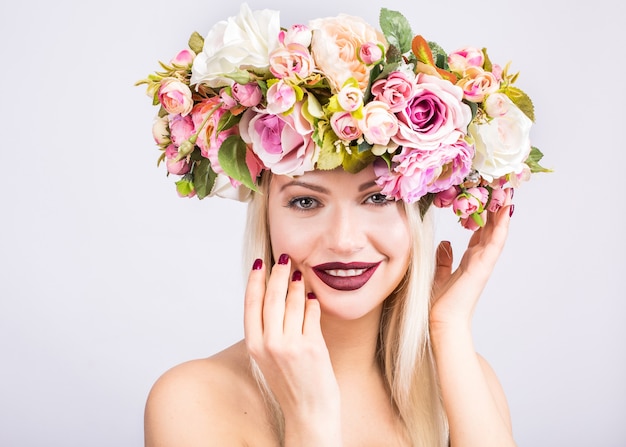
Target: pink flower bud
<point x="445" y="198"/>
<point x="345" y="126"/>
<point x="179" y="167"/>
<point x="248" y="95"/>
<point x="371" y="53"/>
<point x="296" y="34"/>
<point x="497" y="199"/>
<point x="228" y="102"/>
<point x="175" y="96"/>
<point x="183" y="58"/>
<point x="160" y="130"/>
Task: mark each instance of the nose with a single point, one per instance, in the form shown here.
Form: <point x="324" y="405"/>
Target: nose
<point x="345" y="235"/>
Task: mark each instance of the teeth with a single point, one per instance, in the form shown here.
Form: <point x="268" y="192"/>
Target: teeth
<point x="345" y="273"/>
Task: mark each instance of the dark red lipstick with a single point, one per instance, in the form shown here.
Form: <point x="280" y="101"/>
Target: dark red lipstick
<point x="342" y="276"/>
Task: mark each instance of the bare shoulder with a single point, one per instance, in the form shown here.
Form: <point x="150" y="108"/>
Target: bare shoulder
<point x="212" y="401"/>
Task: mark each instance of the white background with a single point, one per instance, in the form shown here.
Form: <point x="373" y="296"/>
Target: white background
<point x="107" y="278"/>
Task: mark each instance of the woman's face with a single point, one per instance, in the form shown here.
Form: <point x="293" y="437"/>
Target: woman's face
<point x="350" y="243"/>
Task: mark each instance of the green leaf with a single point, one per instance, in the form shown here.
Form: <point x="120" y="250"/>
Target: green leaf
<point x="227" y="120"/>
<point x="196" y="42"/>
<point x="357" y="160"/>
<point x="396" y="29"/>
<point x="232" y="159"/>
<point x="533" y="161"/>
<point x="521" y="100"/>
<point x="487" y="65"/>
<point x="329" y="157"/>
<point x="203" y="177"/>
<point x="184" y="187"/>
<point x="439" y="55"/>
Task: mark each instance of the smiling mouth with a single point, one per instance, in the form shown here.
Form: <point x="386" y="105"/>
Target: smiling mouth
<point x="340" y="276"/>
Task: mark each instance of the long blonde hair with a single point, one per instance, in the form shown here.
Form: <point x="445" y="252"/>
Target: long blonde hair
<point x="404" y="350"/>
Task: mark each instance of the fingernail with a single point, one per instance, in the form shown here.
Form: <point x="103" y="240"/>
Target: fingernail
<point x="311" y="296"/>
<point x="512" y="192"/>
<point x="283" y="259"/>
<point x="511" y="210"/>
<point x="296" y="276"/>
<point x="258" y="263"/>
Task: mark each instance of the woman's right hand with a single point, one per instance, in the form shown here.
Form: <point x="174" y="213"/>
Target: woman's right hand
<point x="284" y="337"/>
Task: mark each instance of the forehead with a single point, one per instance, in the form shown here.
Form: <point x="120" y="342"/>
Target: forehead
<point x="331" y="181"/>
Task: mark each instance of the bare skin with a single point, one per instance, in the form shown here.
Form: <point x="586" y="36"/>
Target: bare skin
<point x="318" y="355"/>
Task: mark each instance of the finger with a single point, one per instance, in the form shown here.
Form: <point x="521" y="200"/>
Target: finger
<point x="312" y="315"/>
<point x="294" y="305"/>
<point x="275" y="295"/>
<point x="444" y="258"/>
<point x="253" y="302"/>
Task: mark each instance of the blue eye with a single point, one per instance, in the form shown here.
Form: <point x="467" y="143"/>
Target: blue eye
<point x="303" y="203"/>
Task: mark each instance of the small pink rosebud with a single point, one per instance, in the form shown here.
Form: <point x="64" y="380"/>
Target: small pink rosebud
<point x="228" y="102"/>
<point x="445" y="198"/>
<point x="185" y="187"/>
<point x="183" y="58"/>
<point x="248" y="95"/>
<point x="160" y="130"/>
<point x="371" y="53"/>
<point x="497" y="199"/>
<point x="174" y="166"/>
<point x="471" y="223"/>
<point x="296" y="34"/>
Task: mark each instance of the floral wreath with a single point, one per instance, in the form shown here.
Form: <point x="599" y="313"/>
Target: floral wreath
<point x="449" y="129"/>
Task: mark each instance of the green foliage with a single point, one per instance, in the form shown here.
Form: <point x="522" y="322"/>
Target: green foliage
<point x="440" y="57"/>
<point x="356" y="160"/>
<point x="521" y="100"/>
<point x="203" y="177"/>
<point x="396" y="29"/>
<point x="232" y="159"/>
<point x="196" y="42"/>
<point x="533" y="161"/>
<point x="228" y="120"/>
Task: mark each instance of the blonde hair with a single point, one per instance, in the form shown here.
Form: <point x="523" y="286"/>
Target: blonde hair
<point x="404" y="350"/>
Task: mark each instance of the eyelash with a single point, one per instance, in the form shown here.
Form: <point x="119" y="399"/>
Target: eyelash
<point x="296" y="202"/>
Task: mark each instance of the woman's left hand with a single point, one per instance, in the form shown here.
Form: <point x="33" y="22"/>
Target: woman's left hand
<point x="455" y="294"/>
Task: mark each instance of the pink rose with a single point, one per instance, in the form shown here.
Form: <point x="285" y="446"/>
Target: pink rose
<point x="280" y="97"/>
<point x="248" y="95"/>
<point x="378" y="125"/>
<point x="228" y="102"/>
<point x="371" y="53"/>
<point x="473" y="200"/>
<point x="435" y="115"/>
<point x="180" y="167"/>
<point x="296" y="34"/>
<point x="396" y="90"/>
<point x="444" y="199"/>
<point x="477" y="84"/>
<point x="175" y="96"/>
<point x="470" y="221"/>
<point x="345" y="126"/>
<point x="282" y="143"/>
<point x="160" y="130"/>
<point x="184" y="58"/>
<point x="292" y="61"/>
<point x="181" y="128"/>
<point x="335" y="45"/>
<point x="464" y="58"/>
<point x="209" y="140"/>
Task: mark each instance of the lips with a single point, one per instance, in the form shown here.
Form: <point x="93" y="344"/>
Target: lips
<point x="341" y="276"/>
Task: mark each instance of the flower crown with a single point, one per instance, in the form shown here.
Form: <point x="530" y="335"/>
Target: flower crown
<point x="450" y="129"/>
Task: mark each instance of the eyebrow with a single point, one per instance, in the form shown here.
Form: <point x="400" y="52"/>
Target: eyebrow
<point x="321" y="189"/>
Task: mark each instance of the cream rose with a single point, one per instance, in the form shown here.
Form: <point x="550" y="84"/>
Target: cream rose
<point x="335" y="46"/>
<point x="244" y="40"/>
<point x="503" y="142"/>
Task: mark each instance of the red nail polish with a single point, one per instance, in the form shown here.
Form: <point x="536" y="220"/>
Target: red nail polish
<point x="511" y="210"/>
<point x="283" y="259"/>
<point x="311" y="296"/>
<point x="258" y="263"/>
<point x="512" y="192"/>
<point x="296" y="276"/>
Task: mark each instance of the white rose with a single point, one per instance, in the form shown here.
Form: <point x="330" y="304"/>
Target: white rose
<point x="503" y="142"/>
<point x="244" y="40"/>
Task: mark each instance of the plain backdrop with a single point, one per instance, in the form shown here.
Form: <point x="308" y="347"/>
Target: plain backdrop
<point x="107" y="278"/>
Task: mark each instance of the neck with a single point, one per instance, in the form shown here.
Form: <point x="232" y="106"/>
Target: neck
<point x="352" y="344"/>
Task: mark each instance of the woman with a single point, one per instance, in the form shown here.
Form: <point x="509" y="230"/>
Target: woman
<point x="323" y="330"/>
<point x="357" y="332"/>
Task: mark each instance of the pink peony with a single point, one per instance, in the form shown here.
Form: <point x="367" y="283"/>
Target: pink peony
<point x="444" y="199"/>
<point x="180" y="167"/>
<point x="434" y="116"/>
<point x="477" y="84"/>
<point x="350" y="98"/>
<point x="282" y="143"/>
<point x="296" y="34"/>
<point x="175" y="96"/>
<point x="209" y="140"/>
<point x="345" y="126"/>
<point x="396" y="90"/>
<point x="181" y="128"/>
<point x="280" y="98"/>
<point x="378" y="125"/>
